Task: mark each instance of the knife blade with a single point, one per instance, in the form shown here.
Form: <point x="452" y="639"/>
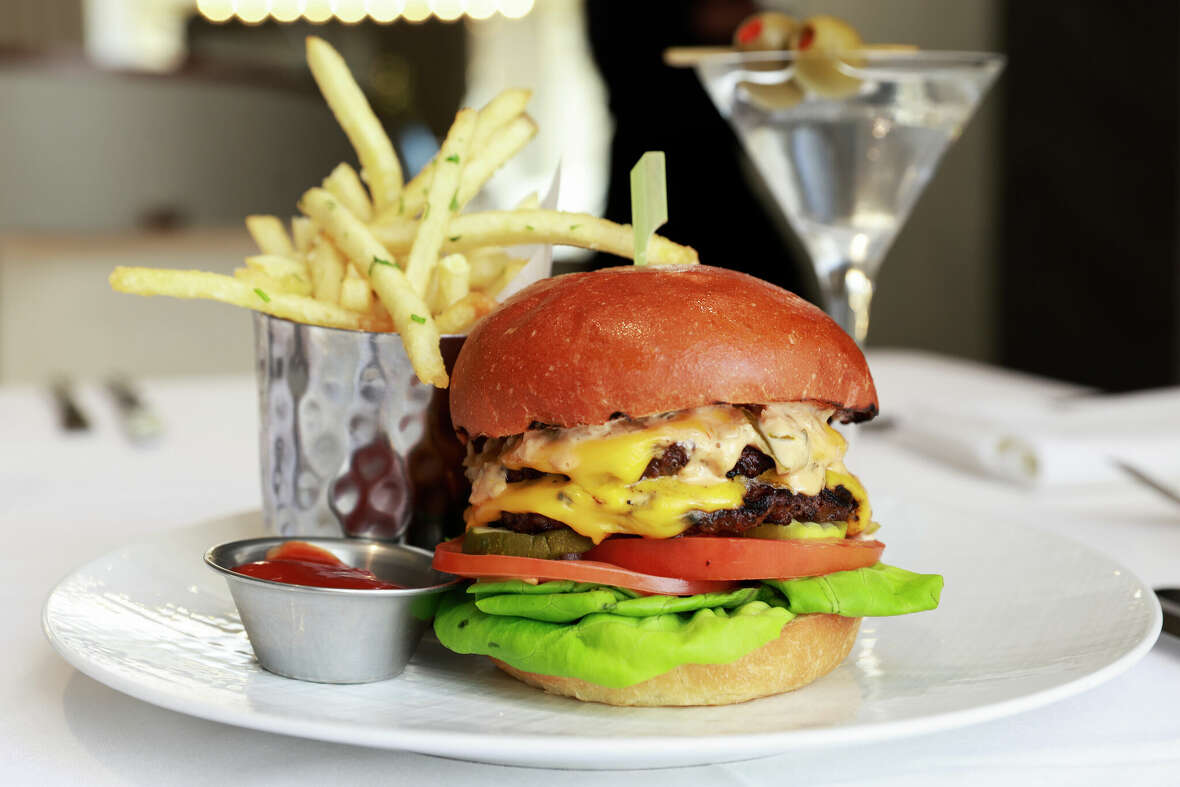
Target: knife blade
<point x="140" y="423"/>
<point x="69" y="414"/>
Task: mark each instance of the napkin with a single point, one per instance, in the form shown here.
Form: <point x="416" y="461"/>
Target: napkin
<point x="1071" y="440"/>
<point x="539" y="256"/>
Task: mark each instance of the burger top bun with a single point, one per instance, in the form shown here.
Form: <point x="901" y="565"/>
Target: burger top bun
<point x="636" y="341"/>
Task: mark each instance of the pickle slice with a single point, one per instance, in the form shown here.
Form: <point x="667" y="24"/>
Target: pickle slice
<point x="799" y="530"/>
<point x="548" y="545"/>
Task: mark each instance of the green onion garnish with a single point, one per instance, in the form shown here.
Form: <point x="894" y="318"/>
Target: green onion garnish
<point x="378" y="261"/>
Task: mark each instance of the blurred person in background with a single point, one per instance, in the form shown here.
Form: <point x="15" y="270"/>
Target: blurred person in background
<point x="714" y="196"/>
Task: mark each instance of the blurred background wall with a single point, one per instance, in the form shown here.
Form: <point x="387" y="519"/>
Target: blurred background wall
<point x="142" y="131"/>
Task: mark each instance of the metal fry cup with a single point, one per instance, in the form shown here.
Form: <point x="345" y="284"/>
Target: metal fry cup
<point x="350" y="442"/>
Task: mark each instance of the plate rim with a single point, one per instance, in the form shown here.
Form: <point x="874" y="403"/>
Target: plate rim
<point x="627" y="752"/>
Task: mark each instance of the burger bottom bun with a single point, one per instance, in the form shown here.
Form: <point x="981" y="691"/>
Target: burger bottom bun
<point x="809" y="647"/>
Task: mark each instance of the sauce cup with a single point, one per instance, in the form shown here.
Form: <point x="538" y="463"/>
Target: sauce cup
<point x="335" y="635"/>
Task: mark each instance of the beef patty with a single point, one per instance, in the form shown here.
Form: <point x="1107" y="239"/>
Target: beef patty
<point x="761" y="503"/>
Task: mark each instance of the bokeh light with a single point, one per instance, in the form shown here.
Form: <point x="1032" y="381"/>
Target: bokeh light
<point x="251" y="11"/>
<point x="350" y="11"/>
<point x="481" y="9"/>
<point x="317" y="11"/>
<point x="286" y="10"/>
<point x="448" y="10"/>
<point x="385" y="10"/>
<point x="515" y="9"/>
<point x="216" y="10"/>
<point x="416" y="10"/>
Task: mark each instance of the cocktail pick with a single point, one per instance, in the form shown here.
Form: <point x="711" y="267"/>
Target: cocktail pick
<point x="649" y="200"/>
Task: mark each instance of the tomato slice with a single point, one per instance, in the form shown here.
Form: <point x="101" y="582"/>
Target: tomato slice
<point x="449" y="557"/>
<point x="716" y="558"/>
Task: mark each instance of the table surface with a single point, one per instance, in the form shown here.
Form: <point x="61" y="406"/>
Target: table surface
<point x="65" y="499"/>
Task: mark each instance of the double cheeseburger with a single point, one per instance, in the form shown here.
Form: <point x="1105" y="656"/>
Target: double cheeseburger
<point x="660" y="511"/>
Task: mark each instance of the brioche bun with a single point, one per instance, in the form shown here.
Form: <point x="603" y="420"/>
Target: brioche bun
<point x="809" y="647"/>
<point x="586" y="347"/>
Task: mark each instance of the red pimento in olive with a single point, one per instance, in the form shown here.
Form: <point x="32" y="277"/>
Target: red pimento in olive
<point x="750" y="31"/>
<point x="766" y="31"/>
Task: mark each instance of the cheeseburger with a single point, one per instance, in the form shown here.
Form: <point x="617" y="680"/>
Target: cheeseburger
<point x="660" y="510"/>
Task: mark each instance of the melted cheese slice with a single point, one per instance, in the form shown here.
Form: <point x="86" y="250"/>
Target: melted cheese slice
<point x="654" y="508"/>
<point x="862" y="520"/>
<point x="605" y="493"/>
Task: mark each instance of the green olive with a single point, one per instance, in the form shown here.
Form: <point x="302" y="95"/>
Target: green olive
<point x="781" y="95"/>
<point x="819" y="42"/>
<point x="768" y="31"/>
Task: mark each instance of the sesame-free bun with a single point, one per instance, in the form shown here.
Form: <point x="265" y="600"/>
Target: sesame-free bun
<point x="637" y="341"/>
<point x="809" y="647"/>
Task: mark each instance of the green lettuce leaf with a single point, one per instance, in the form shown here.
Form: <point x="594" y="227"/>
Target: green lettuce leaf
<point x="646" y="606"/>
<point x="553" y="607"/>
<point x="876" y="591"/>
<point x="566" y="607"/>
<point x="608" y="649"/>
<point x="519" y="586"/>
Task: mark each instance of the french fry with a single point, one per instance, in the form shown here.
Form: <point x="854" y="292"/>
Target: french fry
<point x="227" y="289"/>
<point x="420" y="334"/>
<point x="505" y="143"/>
<point x="461" y="315"/>
<point x="442" y="202"/>
<point x="452" y="281"/>
<point x="486" y="266"/>
<point x="522" y="227"/>
<point x="378" y="314"/>
<point x="346" y="185"/>
<point x="303" y="230"/>
<point x="507" y="105"/>
<point x="508" y="274"/>
<point x="292" y="285"/>
<point x="379" y="164"/>
<point x="385" y="240"/>
<point x="348" y="232"/>
<point x="270" y="236"/>
<point x="410" y="315"/>
<point x="355" y="294"/>
<point x="327" y="270"/>
<point x="496" y="113"/>
<point x="276" y="266"/>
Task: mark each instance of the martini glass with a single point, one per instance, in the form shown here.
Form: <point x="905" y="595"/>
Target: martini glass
<point x="846" y="164"/>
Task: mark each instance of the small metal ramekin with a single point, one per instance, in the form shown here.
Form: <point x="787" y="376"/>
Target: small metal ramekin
<point x="334" y="635"/>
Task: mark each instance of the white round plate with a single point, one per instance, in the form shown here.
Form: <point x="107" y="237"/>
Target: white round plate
<point x="1026" y="619"/>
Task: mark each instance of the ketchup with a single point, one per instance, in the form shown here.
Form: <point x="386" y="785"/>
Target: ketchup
<point x="301" y="563"/>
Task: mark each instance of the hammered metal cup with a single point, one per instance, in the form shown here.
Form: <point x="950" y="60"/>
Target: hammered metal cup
<point x="351" y="443"/>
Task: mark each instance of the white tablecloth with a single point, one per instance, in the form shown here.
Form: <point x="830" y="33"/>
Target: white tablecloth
<point x="67" y="499"/>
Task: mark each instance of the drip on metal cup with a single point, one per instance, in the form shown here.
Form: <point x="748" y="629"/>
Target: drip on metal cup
<point x="351" y="442"/>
